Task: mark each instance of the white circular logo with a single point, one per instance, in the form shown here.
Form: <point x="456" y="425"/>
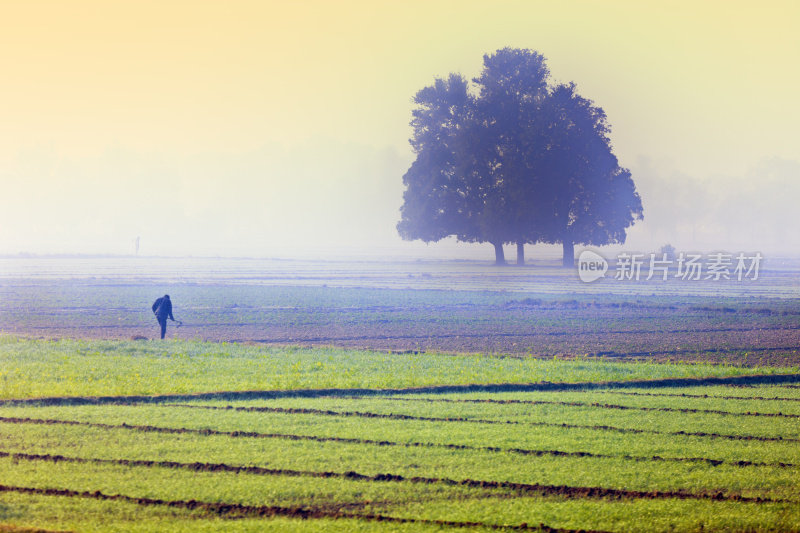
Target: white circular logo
<point x="591" y="266"/>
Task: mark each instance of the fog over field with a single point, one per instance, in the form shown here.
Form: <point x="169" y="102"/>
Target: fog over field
<point x="211" y="205"/>
<point x="281" y="129"/>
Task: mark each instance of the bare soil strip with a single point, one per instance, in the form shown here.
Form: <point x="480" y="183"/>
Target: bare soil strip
<point x="237" y="510"/>
<point x="512" y="335"/>
<point x="519" y="488"/>
<point x="459" y="335"/>
<point x="759" y="379"/>
<point x="593" y="404"/>
<point x="703" y="396"/>
<point x="438" y="335"/>
<point x="737" y="349"/>
<point x="314" y="438"/>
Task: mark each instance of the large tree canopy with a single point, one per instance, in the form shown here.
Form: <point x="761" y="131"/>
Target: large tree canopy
<point x="512" y="160"/>
<point x="584" y="196"/>
<point x="437" y="200"/>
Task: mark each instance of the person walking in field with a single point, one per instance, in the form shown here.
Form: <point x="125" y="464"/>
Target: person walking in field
<point x="162" y="308"/>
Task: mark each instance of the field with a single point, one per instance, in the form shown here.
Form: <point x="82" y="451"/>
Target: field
<point x="604" y="458"/>
<point x="636" y="325"/>
<point x="302" y="407"/>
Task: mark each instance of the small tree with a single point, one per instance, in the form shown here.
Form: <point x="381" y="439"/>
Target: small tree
<point x="667" y="251"/>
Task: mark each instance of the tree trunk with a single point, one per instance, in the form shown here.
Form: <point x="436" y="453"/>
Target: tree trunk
<point x="499" y="256"/>
<point x="569" y="252"/>
<point x="520" y="253"/>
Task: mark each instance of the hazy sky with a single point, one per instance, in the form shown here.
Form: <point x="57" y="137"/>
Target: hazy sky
<point x="263" y="128"/>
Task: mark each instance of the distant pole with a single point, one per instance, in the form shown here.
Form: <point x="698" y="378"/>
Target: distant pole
<point x="136" y="246"/>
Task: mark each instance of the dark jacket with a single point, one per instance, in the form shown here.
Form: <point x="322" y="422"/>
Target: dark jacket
<point x="163" y="308"/>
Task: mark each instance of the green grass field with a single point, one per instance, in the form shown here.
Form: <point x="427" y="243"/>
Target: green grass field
<point x="630" y="456"/>
<point x="41" y="368"/>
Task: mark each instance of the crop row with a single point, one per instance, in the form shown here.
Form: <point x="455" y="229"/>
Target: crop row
<point x="668" y="382"/>
<point x="131" y="476"/>
<point x="705" y="396"/>
<point x="404" y="417"/>
<point x="201" y="445"/>
<point x="50" y="513"/>
<point x="593" y="404"/>
<point x="316" y="438"/>
<point x="238" y="510"/>
<point x="584" y="401"/>
<point x="753" y="439"/>
<point x="571" y="409"/>
<point x="564" y="491"/>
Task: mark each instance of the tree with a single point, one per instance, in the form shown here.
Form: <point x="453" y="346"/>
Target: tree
<point x="512" y="85"/>
<point x="465" y="180"/>
<point x="439" y="200"/>
<point x="450" y="189"/>
<point x="592" y="200"/>
<point x="517" y="162"/>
